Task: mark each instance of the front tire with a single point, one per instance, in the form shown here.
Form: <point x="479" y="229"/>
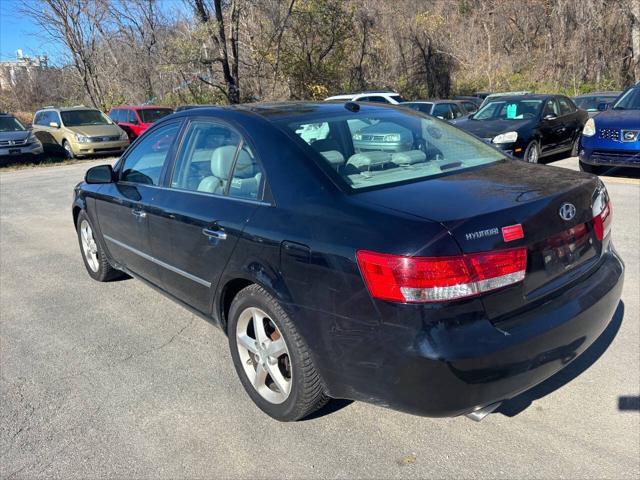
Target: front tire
<point x="68" y="151"/>
<point x="271" y="359"/>
<point x="93" y="256"/>
<point x="532" y="152"/>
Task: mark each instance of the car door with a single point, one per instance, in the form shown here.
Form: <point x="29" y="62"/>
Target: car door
<point x="41" y="129"/>
<point x="570" y="121"/>
<point x="212" y="192"/>
<point x="551" y="127"/>
<point x="123" y="206"/>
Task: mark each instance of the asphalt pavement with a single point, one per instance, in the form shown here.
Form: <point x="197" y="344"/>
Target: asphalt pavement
<point x="115" y="381"/>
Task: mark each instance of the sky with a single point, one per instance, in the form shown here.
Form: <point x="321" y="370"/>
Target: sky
<point x="18" y="31"/>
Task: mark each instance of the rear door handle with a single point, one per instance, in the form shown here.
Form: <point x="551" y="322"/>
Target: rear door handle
<point x="138" y="213"/>
<point x="218" y="234"/>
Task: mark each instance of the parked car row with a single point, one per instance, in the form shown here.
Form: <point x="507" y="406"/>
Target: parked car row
<point x="77" y="131"/>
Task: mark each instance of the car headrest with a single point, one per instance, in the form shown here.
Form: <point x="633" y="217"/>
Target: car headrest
<point x="368" y="160"/>
<point x="222" y="158"/>
<point x="334" y="157"/>
<point x="409" y="157"/>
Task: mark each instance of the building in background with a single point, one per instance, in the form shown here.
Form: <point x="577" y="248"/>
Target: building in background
<point x="11" y="71"/>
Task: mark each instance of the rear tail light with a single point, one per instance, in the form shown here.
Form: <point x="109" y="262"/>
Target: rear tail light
<point x="602" y="216"/>
<point x="440" y="279"/>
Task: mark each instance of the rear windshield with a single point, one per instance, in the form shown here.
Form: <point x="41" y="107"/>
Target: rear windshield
<point x="10" y="124"/>
<point x="590" y="104"/>
<point x="389" y="146"/>
<point x="75" y="118"/>
<point x="150" y="115"/>
<point x="509" y="110"/>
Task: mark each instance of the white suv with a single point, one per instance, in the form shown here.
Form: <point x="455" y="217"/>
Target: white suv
<point x="393" y="98"/>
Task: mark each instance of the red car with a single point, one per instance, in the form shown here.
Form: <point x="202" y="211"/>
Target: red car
<point x="136" y="119"/>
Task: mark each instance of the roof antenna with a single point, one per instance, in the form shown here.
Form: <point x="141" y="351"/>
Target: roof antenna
<point x="352" y="106"/>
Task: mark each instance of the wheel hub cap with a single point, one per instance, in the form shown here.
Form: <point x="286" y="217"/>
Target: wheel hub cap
<point x="264" y="355"/>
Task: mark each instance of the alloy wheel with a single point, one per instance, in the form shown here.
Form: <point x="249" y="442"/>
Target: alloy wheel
<point x="89" y="246"/>
<point x="264" y="355"/>
<point x="533" y="154"/>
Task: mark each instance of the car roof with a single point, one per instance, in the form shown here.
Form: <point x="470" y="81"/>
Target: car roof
<point x="68" y="109"/>
<point x="140" y="107"/>
<point x="597" y="94"/>
<point x="283" y="110"/>
<point x="528" y="96"/>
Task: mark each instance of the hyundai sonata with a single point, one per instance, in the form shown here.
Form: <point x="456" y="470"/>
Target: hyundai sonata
<point x="433" y="278"/>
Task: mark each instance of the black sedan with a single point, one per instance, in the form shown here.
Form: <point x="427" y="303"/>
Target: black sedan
<point x="529" y="126"/>
<point x="435" y="279"/>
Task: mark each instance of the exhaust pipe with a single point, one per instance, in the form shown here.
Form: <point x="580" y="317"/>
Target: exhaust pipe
<point x="480" y="413"/>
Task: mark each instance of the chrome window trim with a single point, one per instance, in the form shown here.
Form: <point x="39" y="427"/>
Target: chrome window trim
<point x="159" y="262"/>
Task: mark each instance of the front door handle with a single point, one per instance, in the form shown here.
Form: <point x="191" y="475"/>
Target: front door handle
<point x="218" y="234"/>
<point x="138" y="213"/>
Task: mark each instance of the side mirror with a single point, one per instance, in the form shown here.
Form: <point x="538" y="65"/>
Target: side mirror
<point x="550" y="116"/>
<point x="54" y="125"/>
<point x="471" y="115"/>
<point x="100" y="174"/>
<point x="603" y="106"/>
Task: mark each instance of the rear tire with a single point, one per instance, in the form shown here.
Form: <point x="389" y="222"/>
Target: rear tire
<point x="532" y="152"/>
<point x="93" y="255"/>
<point x="287" y="386"/>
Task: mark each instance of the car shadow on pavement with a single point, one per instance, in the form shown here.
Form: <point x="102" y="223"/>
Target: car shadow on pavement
<point x="518" y="404"/>
<point x="333" y="405"/>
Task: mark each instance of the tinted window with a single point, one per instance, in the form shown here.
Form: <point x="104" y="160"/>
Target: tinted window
<point x="629" y="100"/>
<point x="10" y="124"/>
<point x="114" y="115"/>
<point x="470" y="107"/>
<point x="590" y="104"/>
<point x="566" y="107"/>
<point x="205" y="158"/>
<point x="76" y="118"/>
<point x="457" y="113"/>
<point x="375" y="99"/>
<point x="421" y="107"/>
<point x="392" y="146"/>
<point x="150" y="115"/>
<point x="144" y="163"/>
<point x="442" y="110"/>
<point x="130" y="116"/>
<point x="551" y="108"/>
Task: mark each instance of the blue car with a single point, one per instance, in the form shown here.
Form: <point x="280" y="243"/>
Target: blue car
<point x="612" y="139"/>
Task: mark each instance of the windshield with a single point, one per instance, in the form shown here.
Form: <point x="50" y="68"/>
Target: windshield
<point x="509" y="110"/>
<point x="590" y="104"/>
<point x="76" y="118"/>
<point x="629" y="101"/>
<point x="381" y="148"/>
<point x="10" y="124"/>
<point x="150" y="115"/>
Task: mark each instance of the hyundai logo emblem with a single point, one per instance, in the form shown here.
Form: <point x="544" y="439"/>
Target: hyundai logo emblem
<point x="567" y="211"/>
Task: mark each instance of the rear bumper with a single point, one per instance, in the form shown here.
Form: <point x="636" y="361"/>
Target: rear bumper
<point x="451" y="369"/>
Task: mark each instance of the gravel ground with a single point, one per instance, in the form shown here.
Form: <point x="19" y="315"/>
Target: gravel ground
<point x="115" y="381"/>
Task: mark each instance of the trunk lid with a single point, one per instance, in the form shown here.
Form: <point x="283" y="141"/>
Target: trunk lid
<point x="475" y="205"/>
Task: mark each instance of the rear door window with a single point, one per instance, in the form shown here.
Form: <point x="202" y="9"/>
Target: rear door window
<point x="443" y="110"/>
<point x="206" y="158"/>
